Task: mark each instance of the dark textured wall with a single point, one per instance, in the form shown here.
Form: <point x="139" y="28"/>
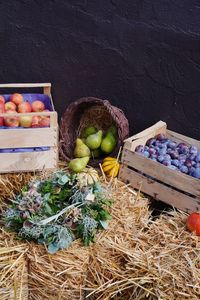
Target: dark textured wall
<point x="142" y="55"/>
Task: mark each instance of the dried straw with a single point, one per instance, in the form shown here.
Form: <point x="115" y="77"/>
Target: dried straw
<point x="12" y="183"/>
<point x="144" y="258"/>
<point x="139" y="257"/>
<point x="13" y="268"/>
<point x="58" y="276"/>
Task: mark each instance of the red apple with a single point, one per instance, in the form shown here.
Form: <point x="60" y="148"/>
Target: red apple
<point x="2" y="110"/>
<point x="36" y="121"/>
<point x="11" y="121"/>
<point x="16" y="98"/>
<point x="45" y="121"/>
<point x="2" y="107"/>
<point x="2" y="99"/>
<point x="24" y="107"/>
<point x="25" y="121"/>
<point x="37" y="106"/>
<point x="10" y="106"/>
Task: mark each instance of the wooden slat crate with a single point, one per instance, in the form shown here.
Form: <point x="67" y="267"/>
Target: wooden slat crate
<point x="30" y="138"/>
<point x="175" y="188"/>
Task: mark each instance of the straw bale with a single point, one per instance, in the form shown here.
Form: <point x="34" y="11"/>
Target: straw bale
<point x="12" y="183"/>
<point x="13" y="268"/>
<point x="58" y="276"/>
<point x="142" y="257"/>
<point x="138" y="257"/>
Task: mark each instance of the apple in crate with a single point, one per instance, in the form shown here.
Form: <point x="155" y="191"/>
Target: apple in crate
<point x="2" y="99"/>
<point x="36" y="121"/>
<point x="45" y="120"/>
<point x="25" y="121"/>
<point x="24" y="107"/>
<point x="2" y="110"/>
<point x="38" y="106"/>
<point x="16" y="98"/>
<point x="11" y="121"/>
<point x="10" y="106"/>
<point x="2" y="107"/>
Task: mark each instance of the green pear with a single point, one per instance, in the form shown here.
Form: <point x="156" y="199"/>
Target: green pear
<point x="88" y="131"/>
<point x="93" y="141"/>
<point x="108" y="143"/>
<point x="113" y="129"/>
<point x="81" y="150"/>
<point x="78" y="164"/>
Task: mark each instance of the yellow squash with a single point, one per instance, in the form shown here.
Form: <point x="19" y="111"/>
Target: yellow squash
<point x="110" y="166"/>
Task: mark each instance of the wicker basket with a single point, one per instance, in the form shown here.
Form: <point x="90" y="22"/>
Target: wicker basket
<point x="86" y="112"/>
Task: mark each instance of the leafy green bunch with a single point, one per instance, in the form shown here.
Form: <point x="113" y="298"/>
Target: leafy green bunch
<point x="55" y="211"/>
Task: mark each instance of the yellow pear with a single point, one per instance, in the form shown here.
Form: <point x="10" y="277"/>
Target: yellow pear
<point x="81" y="150"/>
<point x="78" y="164"/>
<point x="93" y="141"/>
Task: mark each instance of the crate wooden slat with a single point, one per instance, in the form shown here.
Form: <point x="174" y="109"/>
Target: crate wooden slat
<point x="175" y="188"/>
<point x="159" y="191"/>
<point x="29" y="161"/>
<point x="30" y="138"/>
<point x="161" y="173"/>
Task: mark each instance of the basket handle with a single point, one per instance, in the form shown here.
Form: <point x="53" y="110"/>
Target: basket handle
<point x="46" y="86"/>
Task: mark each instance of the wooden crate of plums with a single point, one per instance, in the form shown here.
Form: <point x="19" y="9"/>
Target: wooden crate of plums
<point x="164" y="165"/>
<point x="28" y="129"/>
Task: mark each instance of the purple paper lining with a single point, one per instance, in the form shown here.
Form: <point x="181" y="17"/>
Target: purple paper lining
<point x="18" y="150"/>
<point x="30" y="98"/>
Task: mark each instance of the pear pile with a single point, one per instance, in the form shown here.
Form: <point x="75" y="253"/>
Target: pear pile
<point x="92" y="143"/>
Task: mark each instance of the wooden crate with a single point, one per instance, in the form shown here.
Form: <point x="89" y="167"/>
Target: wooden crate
<point x="175" y="188"/>
<point x="30" y="138"/>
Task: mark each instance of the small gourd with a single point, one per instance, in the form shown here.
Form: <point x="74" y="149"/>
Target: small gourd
<point x="110" y="166"/>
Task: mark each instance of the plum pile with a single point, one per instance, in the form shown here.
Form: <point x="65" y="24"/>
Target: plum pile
<point x="176" y="156"/>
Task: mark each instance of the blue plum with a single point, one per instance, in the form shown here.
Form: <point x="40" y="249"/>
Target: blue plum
<point x="193" y="150"/>
<point x="188" y="163"/>
<point x="184" y="169"/>
<point x="182" y="158"/>
<point x="160" y="136"/>
<point x="166" y="162"/>
<point x="183" y="149"/>
<point x="197" y="158"/>
<point x="160" y="158"/>
<point x="139" y="149"/>
<point x="172" y="145"/>
<point x="196" y="173"/>
<point x="167" y="157"/>
<point x="151" y="142"/>
<point x="192" y="156"/>
<point x="175" y="162"/>
<point x="162" y="151"/>
<point x="146" y="154"/>
<point x="152" y="151"/>
<point x="197" y="165"/>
